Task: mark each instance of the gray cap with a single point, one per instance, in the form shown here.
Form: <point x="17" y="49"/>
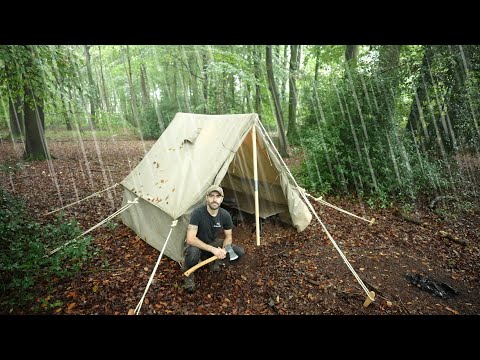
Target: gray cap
<point x="215" y="188"/>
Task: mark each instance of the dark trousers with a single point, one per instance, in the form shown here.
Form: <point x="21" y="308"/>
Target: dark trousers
<point x="193" y="254"/>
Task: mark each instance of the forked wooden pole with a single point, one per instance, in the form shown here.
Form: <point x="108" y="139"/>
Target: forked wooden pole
<point x="255" y="179"/>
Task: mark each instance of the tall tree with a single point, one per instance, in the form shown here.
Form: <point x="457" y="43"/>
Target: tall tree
<point x="283" y="83"/>
<point x="102" y="80"/>
<point x="388" y="79"/>
<point x="35" y="144"/>
<point x="351" y="52"/>
<point x="416" y="119"/>
<point x="257" y="75"/>
<point x="282" y="139"/>
<point x="144" y="86"/>
<point x="292" y="95"/>
<point x="205" y="79"/>
<point x="91" y="88"/>
<point x="61" y="88"/>
<point x="11" y="79"/>
<point x="133" y="96"/>
<point x="17" y="124"/>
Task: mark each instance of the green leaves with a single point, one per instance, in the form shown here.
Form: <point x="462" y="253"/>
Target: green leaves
<point x="23" y="246"/>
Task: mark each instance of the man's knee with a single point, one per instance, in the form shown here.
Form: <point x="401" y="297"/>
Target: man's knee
<point x="192" y="256"/>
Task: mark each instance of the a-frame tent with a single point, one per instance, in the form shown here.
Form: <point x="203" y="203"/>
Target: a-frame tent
<point x="194" y="152"/>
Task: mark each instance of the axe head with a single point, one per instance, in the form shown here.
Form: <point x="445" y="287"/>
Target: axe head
<point x="231" y="253"/>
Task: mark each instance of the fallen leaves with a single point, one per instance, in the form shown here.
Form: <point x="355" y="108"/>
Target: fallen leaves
<point x="290" y="273"/>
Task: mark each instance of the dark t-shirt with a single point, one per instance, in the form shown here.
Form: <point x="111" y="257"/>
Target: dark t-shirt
<point x="210" y="227"/>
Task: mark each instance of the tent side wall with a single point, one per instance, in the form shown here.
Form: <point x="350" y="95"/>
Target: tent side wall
<point x="153" y="225"/>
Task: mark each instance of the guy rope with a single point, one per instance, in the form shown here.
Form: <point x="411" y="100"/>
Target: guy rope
<point x="370" y="294"/>
<point x="139" y="305"/>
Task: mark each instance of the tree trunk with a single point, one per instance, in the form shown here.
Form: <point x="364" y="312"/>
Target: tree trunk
<point x="315" y="84"/>
<point x="389" y="61"/>
<point x="102" y="80"/>
<point x="35" y="146"/>
<point x="276" y="101"/>
<point x="64" y="110"/>
<point x="133" y="98"/>
<point x="283" y="85"/>
<point x="257" y="74"/>
<point x="231" y="79"/>
<point x="223" y="92"/>
<point x="416" y="119"/>
<point x="199" y="79"/>
<point x="292" y="96"/>
<point x="205" y="82"/>
<point x="186" y="81"/>
<point x="185" y="88"/>
<point x="17" y="125"/>
<point x="194" y="80"/>
<point x="144" y="86"/>
<point x="70" y="108"/>
<point x="351" y="52"/>
<point x="91" y="88"/>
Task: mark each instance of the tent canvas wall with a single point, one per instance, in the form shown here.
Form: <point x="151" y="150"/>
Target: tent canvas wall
<point x="194" y="152"/>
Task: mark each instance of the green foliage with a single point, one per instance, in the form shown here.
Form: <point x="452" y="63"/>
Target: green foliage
<point x="24" y="244"/>
<point x="12" y="168"/>
<point x="383" y="167"/>
<point x="150" y="124"/>
<point x="111" y="225"/>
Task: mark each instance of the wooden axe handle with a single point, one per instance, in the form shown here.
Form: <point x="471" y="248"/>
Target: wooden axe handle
<point x="204" y="262"/>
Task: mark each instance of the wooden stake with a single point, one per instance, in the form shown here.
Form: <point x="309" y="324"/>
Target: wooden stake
<point x="369" y="299"/>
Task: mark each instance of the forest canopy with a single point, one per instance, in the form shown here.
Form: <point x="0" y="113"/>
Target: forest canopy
<point x="383" y="121"/>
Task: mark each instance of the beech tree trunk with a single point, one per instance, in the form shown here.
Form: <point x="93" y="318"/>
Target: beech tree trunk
<point x="35" y="146"/>
<point x="91" y="90"/>
<point x="292" y="131"/>
<point x="282" y="139"/>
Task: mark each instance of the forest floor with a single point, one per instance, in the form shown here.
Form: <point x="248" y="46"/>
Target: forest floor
<point x="425" y="261"/>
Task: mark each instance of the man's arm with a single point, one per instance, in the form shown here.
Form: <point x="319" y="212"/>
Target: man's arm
<point x="228" y="238"/>
<point x="194" y="241"/>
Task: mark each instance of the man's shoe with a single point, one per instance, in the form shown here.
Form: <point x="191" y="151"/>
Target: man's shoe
<point x="189" y="284"/>
<point x="214" y="266"/>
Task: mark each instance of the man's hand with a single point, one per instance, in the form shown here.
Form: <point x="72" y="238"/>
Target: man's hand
<point x="219" y="252"/>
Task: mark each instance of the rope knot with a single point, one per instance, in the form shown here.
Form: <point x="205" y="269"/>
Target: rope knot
<point x="174" y="223"/>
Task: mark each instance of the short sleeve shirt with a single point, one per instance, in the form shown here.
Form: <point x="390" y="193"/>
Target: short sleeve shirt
<point x="210" y="227"/>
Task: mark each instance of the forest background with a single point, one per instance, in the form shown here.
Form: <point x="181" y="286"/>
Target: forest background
<point x="389" y="125"/>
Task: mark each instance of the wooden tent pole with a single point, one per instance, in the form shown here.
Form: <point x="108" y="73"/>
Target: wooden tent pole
<point x="255" y="179"/>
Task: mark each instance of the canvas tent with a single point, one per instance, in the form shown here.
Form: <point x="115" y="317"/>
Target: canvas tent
<point x="194" y="152"/>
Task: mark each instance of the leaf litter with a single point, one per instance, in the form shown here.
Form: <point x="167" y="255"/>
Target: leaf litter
<point x="290" y="273"/>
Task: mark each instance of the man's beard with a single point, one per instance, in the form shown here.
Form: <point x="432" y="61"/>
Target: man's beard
<point x="211" y="206"/>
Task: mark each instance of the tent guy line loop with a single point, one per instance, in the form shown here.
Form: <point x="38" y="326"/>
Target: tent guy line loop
<point x="370" y="294"/>
<point x="76" y="202"/>
<point x="139" y="305"/>
<point x="108" y="218"/>
<point x="323" y="202"/>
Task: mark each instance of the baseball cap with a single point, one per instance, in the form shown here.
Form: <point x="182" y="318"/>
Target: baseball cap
<point x="215" y="188"/>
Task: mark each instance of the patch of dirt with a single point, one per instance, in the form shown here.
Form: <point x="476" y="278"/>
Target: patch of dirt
<point x="289" y="273"/>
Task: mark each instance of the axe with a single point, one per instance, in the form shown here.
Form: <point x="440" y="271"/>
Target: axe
<point x="230" y="252"/>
